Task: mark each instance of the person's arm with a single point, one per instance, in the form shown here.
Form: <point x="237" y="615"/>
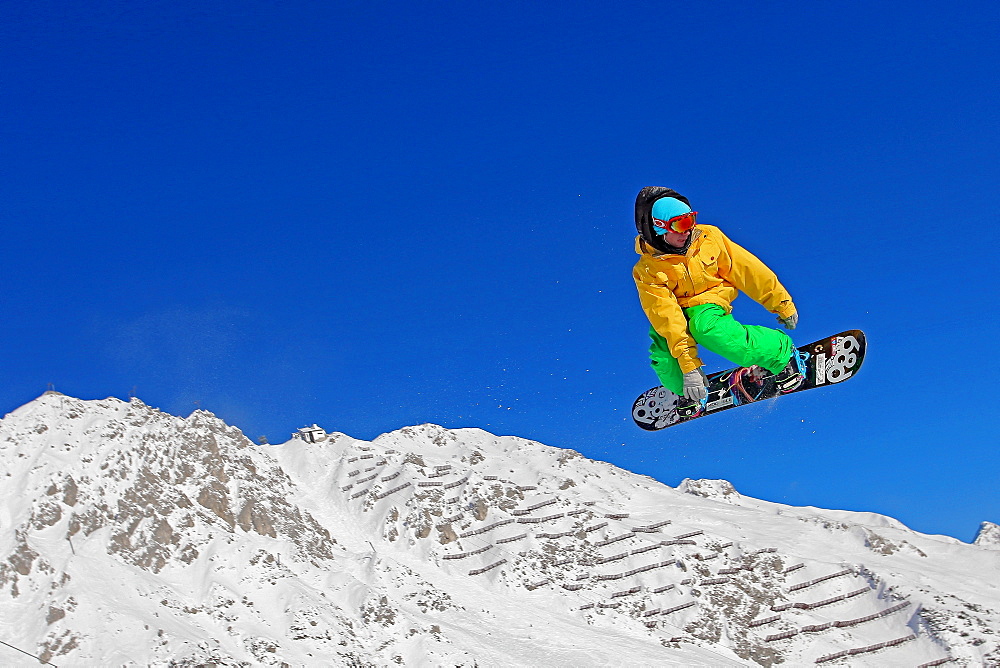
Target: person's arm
<point x="753" y="277"/>
<point x="667" y="318"/>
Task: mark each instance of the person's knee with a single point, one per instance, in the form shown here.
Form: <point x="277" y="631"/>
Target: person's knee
<point x="720" y="336"/>
<point x="704" y="328"/>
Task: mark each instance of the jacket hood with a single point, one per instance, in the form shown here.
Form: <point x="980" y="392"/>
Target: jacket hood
<point x="644" y="214"/>
<point x="643" y="248"/>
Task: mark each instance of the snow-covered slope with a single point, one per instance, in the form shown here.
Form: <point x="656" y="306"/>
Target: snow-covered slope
<point x="128" y="535"/>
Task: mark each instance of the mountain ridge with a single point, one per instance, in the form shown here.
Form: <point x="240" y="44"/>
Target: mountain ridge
<point x="431" y="546"/>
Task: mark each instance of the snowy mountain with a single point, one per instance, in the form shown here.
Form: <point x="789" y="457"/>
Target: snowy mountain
<point x="988" y="536"/>
<point x="130" y="536"/>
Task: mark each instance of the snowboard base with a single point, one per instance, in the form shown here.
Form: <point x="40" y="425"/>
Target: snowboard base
<point x="831" y="360"/>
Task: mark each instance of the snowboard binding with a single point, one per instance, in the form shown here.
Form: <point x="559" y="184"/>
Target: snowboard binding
<point x="687" y="409"/>
<point x="794" y="374"/>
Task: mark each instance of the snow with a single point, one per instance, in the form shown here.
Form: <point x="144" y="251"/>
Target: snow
<point x="128" y="535"/>
<point x="988" y="536"/>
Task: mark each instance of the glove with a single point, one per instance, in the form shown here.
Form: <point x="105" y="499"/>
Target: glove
<point x="790" y="321"/>
<point x="695" y="385"/>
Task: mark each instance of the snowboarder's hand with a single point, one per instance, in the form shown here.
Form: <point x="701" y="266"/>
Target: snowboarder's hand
<point x="790" y="321"/>
<point x="695" y="385"/>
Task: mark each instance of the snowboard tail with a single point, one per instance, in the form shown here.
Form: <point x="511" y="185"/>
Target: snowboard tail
<point x="829" y="361"/>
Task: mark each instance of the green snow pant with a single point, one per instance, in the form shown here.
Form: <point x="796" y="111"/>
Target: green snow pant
<point x="710" y="326"/>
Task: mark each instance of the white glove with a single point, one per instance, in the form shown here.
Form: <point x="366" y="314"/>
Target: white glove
<point x="695" y="385"/>
<point x="790" y="321"/>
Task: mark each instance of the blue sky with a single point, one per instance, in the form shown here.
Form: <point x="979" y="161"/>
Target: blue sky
<point x="376" y="214"/>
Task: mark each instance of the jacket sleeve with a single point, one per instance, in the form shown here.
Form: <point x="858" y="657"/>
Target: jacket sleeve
<point x="748" y="274"/>
<point x="667" y="318"/>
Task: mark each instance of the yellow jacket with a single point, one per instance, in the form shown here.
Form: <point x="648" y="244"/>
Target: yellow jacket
<point x="713" y="271"/>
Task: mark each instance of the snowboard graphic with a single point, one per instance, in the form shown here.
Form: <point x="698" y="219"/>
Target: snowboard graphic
<point x="831" y="360"/>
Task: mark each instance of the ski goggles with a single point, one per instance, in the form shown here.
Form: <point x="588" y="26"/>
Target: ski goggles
<point x="679" y="224"/>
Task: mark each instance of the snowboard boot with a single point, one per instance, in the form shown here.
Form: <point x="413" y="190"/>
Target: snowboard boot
<point x="794" y="373"/>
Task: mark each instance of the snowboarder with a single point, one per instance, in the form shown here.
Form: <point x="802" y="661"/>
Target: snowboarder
<point x="687" y="275"/>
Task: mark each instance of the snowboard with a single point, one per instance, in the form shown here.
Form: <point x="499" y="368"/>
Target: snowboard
<point x="831" y="360"/>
